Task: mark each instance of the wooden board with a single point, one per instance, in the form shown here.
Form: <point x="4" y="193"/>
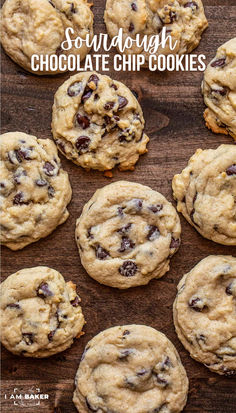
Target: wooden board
<point x="173" y="107"/>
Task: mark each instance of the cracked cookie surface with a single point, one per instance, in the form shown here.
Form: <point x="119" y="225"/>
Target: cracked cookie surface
<point x="38" y="27"/>
<point x="34" y="189"/>
<point x="98" y="123"/>
<point x="206" y="192"/>
<point x="184" y="22"/>
<point x="204" y="313"/>
<point x="130" y="369"/>
<point x="127" y="234"/>
<point x="40" y="312"/>
<point x="219" y="90"/>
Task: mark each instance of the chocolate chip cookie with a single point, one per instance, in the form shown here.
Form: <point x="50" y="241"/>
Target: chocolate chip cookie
<point x="206" y="191"/>
<point x="130" y="369"/>
<point x="127" y="234"/>
<point x="184" y="22"/>
<point x="40" y="312"/>
<point x="38" y="27"/>
<point x="98" y="123"/>
<point x="219" y="90"/>
<point x="34" y="189"/>
<point x="204" y="313"/>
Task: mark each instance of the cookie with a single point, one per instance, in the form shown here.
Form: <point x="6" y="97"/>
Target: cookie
<point x="184" y="22"/>
<point x="204" y="313"/>
<point x="130" y="369"/>
<point x="219" y="90"/>
<point x="34" y="189"/>
<point x="206" y="191"/>
<point x="98" y="123"/>
<point x="127" y="234"/>
<point x="40" y="312"/>
<point x="38" y="27"/>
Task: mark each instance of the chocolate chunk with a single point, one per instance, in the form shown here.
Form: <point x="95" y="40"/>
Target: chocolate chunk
<point x="196" y="304"/>
<point x="19" y="199"/>
<point x="125" y="228"/>
<point x="175" y="243"/>
<point x="51" y="191"/>
<point x="161" y="381"/>
<point x="231" y="170"/>
<point x="41" y="182"/>
<point x="49" y="169"/>
<point x="13" y="305"/>
<point x="83" y="121"/>
<point x="86" y="95"/>
<point x="221" y="91"/>
<point x="90" y="235"/>
<point x="109" y="105"/>
<point x="74" y="89"/>
<point x="125" y="353"/>
<point x="89" y="406"/>
<point x="138" y="204"/>
<point x="101" y="253"/>
<point x="126" y="244"/>
<point x="134" y="6"/>
<point x="82" y="143"/>
<point x="153" y="233"/>
<point x="14" y="157"/>
<point x="51" y="334"/>
<point x="122" y="102"/>
<point x="114" y="86"/>
<point x="28" y="338"/>
<point x="219" y="62"/>
<point x="173" y="16"/>
<point x="94" y="79"/>
<point x="25" y="153"/>
<point x="75" y="302"/>
<point x="192" y="4"/>
<point x="126" y="333"/>
<point x="155" y="208"/>
<point x="128" y="269"/>
<point x="44" y="291"/>
<point x="131" y="27"/>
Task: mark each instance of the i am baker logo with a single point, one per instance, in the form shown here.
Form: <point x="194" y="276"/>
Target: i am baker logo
<point x="26" y="398"/>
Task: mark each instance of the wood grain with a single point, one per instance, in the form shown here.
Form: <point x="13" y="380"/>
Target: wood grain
<point x="173" y="107"/>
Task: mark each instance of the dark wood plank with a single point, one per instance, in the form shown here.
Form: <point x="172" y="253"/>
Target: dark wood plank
<point x="173" y="107"/>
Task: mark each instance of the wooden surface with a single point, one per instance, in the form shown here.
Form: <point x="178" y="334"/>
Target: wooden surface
<point x="173" y="107"/>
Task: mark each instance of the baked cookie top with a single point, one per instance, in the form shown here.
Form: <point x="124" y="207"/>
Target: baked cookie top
<point x="204" y="313"/>
<point x="130" y="369"/>
<point x="98" y="123"/>
<point x="184" y="22"/>
<point x="40" y="312"/>
<point x="206" y="191"/>
<point x="34" y="189"/>
<point x="219" y="90"/>
<point x="38" y="27"/>
<point x="126" y="234"/>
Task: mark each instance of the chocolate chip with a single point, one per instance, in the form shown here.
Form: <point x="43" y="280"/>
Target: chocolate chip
<point x="219" y="62"/>
<point x="59" y="51"/>
<point x="94" y="79"/>
<point x="175" y="243"/>
<point x="201" y="337"/>
<point x="192" y="4"/>
<point x="89" y="406"/>
<point x="109" y="105"/>
<point x="28" y="338"/>
<point x="25" y="153"/>
<point x="125" y="353"/>
<point x="196" y="304"/>
<point x="161" y="381"/>
<point x="134" y="6"/>
<point x="221" y="91"/>
<point x="153" y="233"/>
<point x="41" y="182"/>
<point x="13" y="305"/>
<point x="75" y="302"/>
<point x="114" y="86"/>
<point x="135" y="93"/>
<point x="90" y="235"/>
<point x="173" y="16"/>
<point x="101" y="253"/>
<point x="125" y="228"/>
<point x="49" y="169"/>
<point x="128" y="269"/>
<point x="138" y="204"/>
<point x="86" y="95"/>
<point x="51" y="191"/>
<point x="229" y="290"/>
<point x="72" y="8"/>
<point x="142" y="372"/>
<point x="19" y="199"/>
<point x="155" y="208"/>
<point x="131" y="27"/>
<point x="82" y="143"/>
<point x="44" y="291"/>
<point x="122" y="102"/>
<point x="126" y="244"/>
<point x="51" y="334"/>
<point x="74" y="89"/>
<point x="14" y="157"/>
<point x="231" y="170"/>
<point x="166" y="364"/>
<point x="120" y="211"/>
<point x="18" y="174"/>
<point x="83" y="121"/>
<point x="126" y="333"/>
